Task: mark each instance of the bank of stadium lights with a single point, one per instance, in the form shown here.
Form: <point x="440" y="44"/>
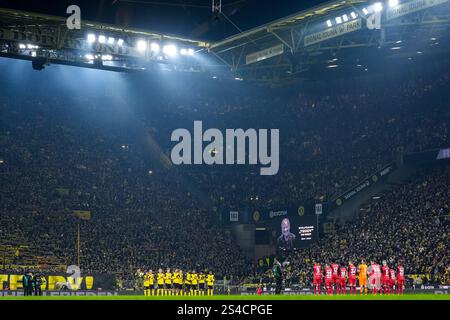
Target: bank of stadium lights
<point x="187" y="52"/>
<point x="91" y="38"/>
<point x="343" y="18"/>
<point x="27" y="46"/>
<point x="365" y="11"/>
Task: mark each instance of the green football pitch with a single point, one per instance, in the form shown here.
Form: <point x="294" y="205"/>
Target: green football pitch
<point x="242" y="297"/>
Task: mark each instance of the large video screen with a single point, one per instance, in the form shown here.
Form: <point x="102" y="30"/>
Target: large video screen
<point x="295" y="232"/>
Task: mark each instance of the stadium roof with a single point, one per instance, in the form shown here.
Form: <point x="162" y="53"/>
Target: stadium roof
<point x="17" y="18"/>
<point x="294" y="19"/>
<point x="285" y="48"/>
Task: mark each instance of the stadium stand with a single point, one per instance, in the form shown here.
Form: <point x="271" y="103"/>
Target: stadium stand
<point x="56" y="161"/>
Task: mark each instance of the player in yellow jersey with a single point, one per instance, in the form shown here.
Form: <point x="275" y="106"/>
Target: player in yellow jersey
<point x="174" y="282"/>
<point x="180" y="282"/>
<point x="147" y="284"/>
<point x="187" y="283"/>
<point x="194" y="281"/>
<point x="201" y="283"/>
<point x="160" y="282"/>
<point x="210" y="282"/>
<point x="168" y="282"/>
<point x="151" y="282"/>
<point x="362" y="276"/>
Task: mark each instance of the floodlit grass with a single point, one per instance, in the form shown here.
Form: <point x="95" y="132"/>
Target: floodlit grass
<point x="240" y="297"/>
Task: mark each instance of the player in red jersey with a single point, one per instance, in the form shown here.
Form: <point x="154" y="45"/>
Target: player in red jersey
<point x="317" y="277"/>
<point x="352" y="277"/>
<point x="393" y="279"/>
<point x="385" y="278"/>
<point x="342" y="280"/>
<point x="329" y="279"/>
<point x="335" y="268"/>
<point x="400" y="278"/>
<point x="375" y="276"/>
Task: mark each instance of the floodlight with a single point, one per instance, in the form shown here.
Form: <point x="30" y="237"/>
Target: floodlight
<point x="183" y="52"/>
<point x="170" y="50"/>
<point x="338" y="20"/>
<point x="101" y="39"/>
<point x="329" y="24"/>
<point x="345" y="17"/>
<point x="353" y="15"/>
<point x="190" y="52"/>
<point x="110" y="40"/>
<point x="154" y="47"/>
<point x="120" y="42"/>
<point x="393" y="3"/>
<point x="141" y="45"/>
<point x="377" y="6"/>
<point x="91" y="38"/>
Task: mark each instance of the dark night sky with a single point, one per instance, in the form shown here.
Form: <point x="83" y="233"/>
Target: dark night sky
<point x="181" y="17"/>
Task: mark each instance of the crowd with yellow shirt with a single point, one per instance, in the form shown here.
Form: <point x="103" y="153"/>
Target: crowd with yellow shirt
<point x="178" y="283"/>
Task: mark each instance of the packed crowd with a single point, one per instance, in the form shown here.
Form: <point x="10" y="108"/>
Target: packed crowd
<point x="411" y="223"/>
<point x="140" y="216"/>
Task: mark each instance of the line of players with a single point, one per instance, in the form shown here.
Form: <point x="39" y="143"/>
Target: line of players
<point x="178" y="284"/>
<point x="382" y="279"/>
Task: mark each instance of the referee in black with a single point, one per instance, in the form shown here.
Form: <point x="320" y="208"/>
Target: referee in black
<point x="278" y="275"/>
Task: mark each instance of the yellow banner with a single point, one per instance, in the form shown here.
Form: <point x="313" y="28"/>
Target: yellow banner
<point x="82" y="214"/>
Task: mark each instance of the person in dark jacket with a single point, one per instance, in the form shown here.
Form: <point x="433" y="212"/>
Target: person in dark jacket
<point x="27" y="283"/>
<point x="278" y="275"/>
<point x="38" y="280"/>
